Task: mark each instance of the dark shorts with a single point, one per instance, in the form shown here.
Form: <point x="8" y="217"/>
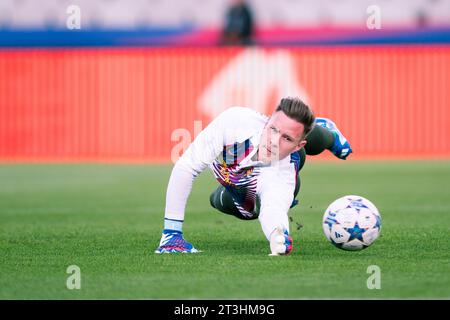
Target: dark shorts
<point x="222" y="200"/>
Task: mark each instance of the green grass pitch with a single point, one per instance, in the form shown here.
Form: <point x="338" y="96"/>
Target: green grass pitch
<point x="107" y="220"/>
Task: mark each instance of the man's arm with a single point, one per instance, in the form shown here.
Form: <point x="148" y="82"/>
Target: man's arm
<point x="201" y="153"/>
<point x="276" y="198"/>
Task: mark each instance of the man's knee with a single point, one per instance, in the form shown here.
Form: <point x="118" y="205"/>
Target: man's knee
<point x="214" y="197"/>
<point x="211" y="199"/>
<point x="222" y="201"/>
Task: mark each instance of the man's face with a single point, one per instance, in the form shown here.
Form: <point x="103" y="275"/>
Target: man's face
<point x="281" y="136"/>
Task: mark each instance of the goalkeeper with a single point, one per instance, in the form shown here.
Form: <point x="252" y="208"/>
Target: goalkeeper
<point x="256" y="160"/>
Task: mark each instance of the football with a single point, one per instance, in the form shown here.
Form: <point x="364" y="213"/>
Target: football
<point x="352" y="223"/>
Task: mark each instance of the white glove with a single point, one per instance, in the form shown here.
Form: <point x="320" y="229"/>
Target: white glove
<point x="280" y="242"/>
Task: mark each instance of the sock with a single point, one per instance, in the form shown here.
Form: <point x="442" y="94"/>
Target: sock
<point x="171" y="225"/>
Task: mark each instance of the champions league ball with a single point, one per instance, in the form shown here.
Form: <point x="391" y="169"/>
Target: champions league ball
<point x="352" y="223"/>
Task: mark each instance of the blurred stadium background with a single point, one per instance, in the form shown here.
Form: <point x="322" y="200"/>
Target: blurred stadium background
<point x="117" y="88"/>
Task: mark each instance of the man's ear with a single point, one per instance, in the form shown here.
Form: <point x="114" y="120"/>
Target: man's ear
<point x="300" y="145"/>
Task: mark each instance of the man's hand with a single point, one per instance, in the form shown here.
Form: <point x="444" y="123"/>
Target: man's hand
<point x="280" y="242"/>
<point x="173" y="241"/>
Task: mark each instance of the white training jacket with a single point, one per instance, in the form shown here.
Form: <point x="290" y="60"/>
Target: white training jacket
<point x="227" y="146"/>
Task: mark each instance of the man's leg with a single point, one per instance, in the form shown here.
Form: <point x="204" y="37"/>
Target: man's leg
<point x="325" y="135"/>
<point x="301" y="162"/>
<point x="222" y="200"/>
<point x="318" y="139"/>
